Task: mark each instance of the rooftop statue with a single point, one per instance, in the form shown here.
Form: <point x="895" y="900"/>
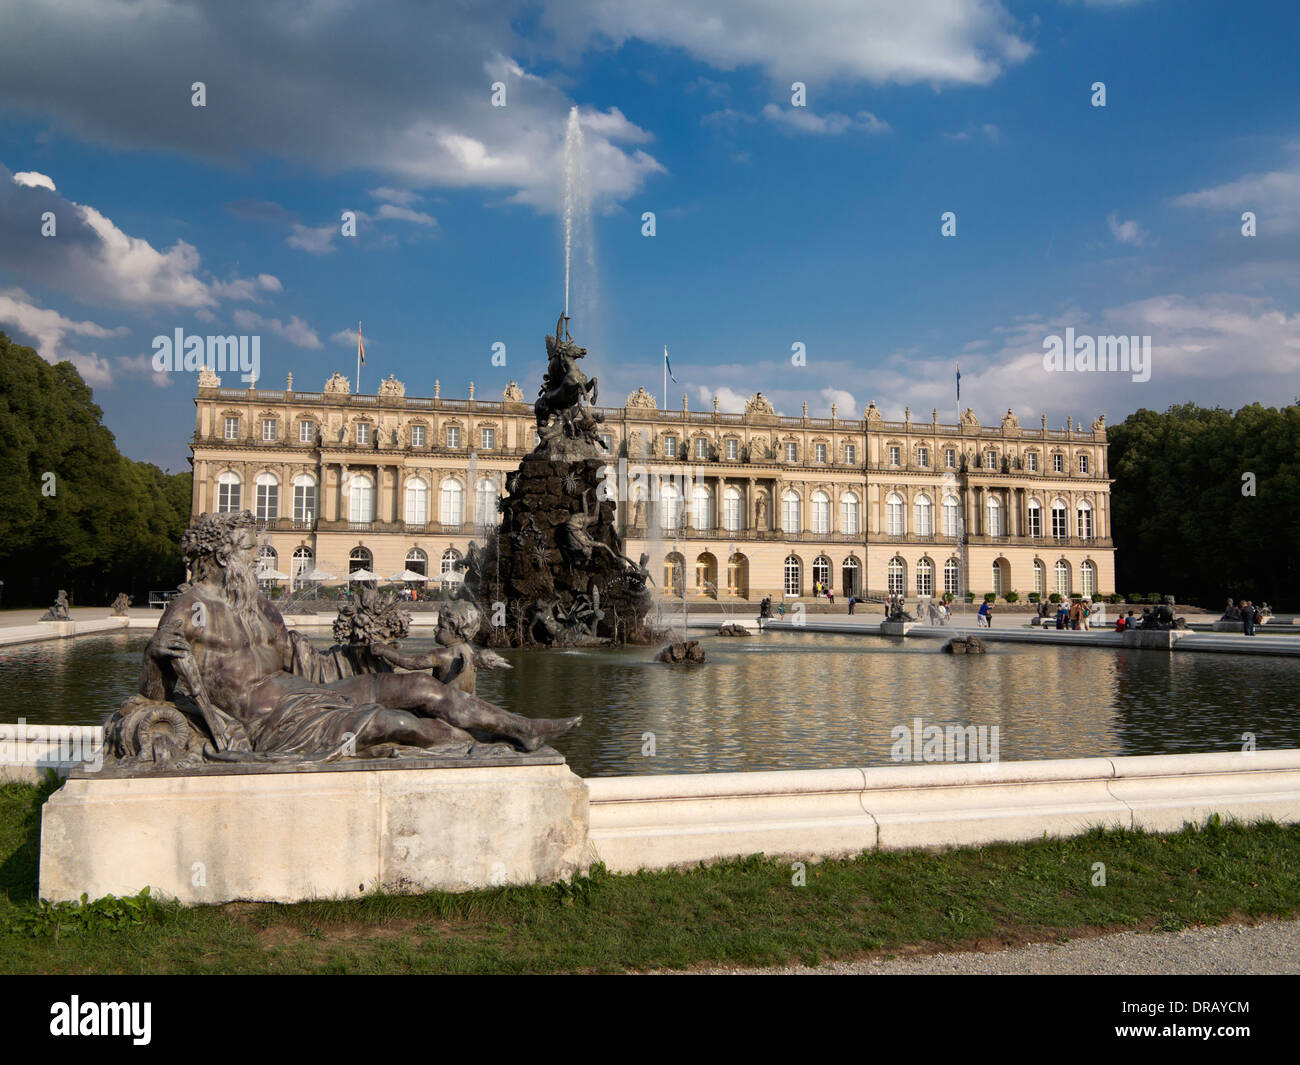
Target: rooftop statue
<point x="253" y="691"/>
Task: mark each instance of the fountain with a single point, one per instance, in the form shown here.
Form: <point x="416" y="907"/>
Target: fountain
<point x="555" y="572"/>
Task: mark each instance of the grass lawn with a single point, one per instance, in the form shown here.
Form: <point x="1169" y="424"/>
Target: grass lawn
<point x="743" y="912"/>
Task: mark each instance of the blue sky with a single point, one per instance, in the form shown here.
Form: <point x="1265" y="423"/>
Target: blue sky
<point x="775" y="224"/>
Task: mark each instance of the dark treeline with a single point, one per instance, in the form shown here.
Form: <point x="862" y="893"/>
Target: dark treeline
<point x="102" y="523"/>
<point x="1184" y="518"/>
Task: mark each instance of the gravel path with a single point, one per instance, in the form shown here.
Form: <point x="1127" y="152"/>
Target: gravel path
<point x="1221" y="950"/>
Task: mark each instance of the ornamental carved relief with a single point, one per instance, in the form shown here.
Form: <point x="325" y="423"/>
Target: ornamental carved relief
<point x="392" y="388"/>
<point x="338" y="385"/>
<point x="758" y="404"/>
<point x="641" y="400"/>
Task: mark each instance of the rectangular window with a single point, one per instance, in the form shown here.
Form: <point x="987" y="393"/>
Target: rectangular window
<point x="268" y="428"/>
<point x="670" y="447"/>
<point x="232" y="428"/>
<point x="733" y="449"/>
<point x="489" y="438"/>
<point x="950" y="458"/>
<point x="1058" y="523"/>
<point x="304" y="502"/>
<point x="701" y="448"/>
<point x="306" y="432"/>
<point x="791" y="452"/>
<point x="1083" y="463"/>
<point x="950" y="517"/>
<point x="1035" y="525"/>
<point x="1033" y="462"/>
<point x="607" y="441"/>
<point x="453" y="436"/>
<point x="228" y="497"/>
<point x="820" y="451"/>
<point x="417" y="436"/>
<point x="1058" y="463"/>
<point x="850" y="454"/>
<point x="895" y="456"/>
<point x="363" y="433"/>
<point x="923" y="456"/>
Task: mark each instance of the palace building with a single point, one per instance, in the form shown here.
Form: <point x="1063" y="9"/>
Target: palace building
<point x="732" y="506"/>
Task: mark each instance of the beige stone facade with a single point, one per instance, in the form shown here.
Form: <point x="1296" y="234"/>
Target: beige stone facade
<point x="737" y="505"/>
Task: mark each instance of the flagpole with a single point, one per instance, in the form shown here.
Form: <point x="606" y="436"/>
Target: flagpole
<point x="358" y="392"/>
<point x="665" y="406"/>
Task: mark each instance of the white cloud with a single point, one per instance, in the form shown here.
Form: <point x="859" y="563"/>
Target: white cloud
<point x="401" y="197"/>
<point x="46" y="327"/>
<point x="33" y="180"/>
<point x="319" y="240"/>
<point x="960" y="42"/>
<point x="405" y="214"/>
<point x="1273" y="196"/>
<point x="295" y="330"/>
<point x="142" y="366"/>
<point x="729" y="400"/>
<point x="802" y="120"/>
<point x="96" y="261"/>
<point x="1128" y="232"/>
<point x="347" y="338"/>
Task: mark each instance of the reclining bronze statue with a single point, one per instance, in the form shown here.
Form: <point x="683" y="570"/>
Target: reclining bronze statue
<point x="257" y="692"/>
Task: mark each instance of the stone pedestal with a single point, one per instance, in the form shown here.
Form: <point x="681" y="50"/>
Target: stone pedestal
<point x="897" y="628"/>
<point x="1152" y="639"/>
<point x="335" y="831"/>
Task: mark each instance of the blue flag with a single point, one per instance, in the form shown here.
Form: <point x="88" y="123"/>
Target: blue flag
<point x="959" y="382"/>
<point x="668" y="364"/>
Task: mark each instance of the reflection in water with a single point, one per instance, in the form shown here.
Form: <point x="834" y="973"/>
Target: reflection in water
<point x="798" y="700"/>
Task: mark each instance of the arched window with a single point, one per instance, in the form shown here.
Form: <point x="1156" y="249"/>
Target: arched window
<point x="731" y="509"/>
<point x="304" y="499"/>
<point x="304" y="561"/>
<point x="738" y="575"/>
<point x="670" y="507"/>
<point x="485" y="502"/>
<point x="702" y="506"/>
<point x="894" y="514"/>
<point x="924" y="516"/>
<point x="849" y="514"/>
<point x="821" y="516"/>
<point x="849" y="577"/>
<point x="1084" y="517"/>
<point x="268" y="496"/>
<point x="793" y="575"/>
<point x="1063" y="577"/>
<point x="447" y="565"/>
<point x="897" y="576"/>
<point x="925" y="577"/>
<point x="360" y="559"/>
<point x="951" y="579"/>
<point x="791" y="519"/>
<point x="417" y="561"/>
<point x="417" y="501"/>
<point x="1035" y="520"/>
<point x="951" y="514"/>
<point x="1059" y="529"/>
<point x="995" y="517"/>
<point x="997" y="577"/>
<point x="228" y="493"/>
<point x="1040" y="577"/>
<point x="361" y="498"/>
<point x="1088" y="579"/>
<point x="821" y="571"/>
<point x="706" y="575"/>
<point x="451" y="503"/>
<point x="674" y="573"/>
<point x="267" y="559"/>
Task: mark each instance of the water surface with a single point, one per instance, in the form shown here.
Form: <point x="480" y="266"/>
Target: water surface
<point x="797" y="700"/>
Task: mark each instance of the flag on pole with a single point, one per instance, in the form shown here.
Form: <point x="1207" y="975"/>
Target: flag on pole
<point x="668" y="365"/>
<point x="361" y="348"/>
<point x="959" y="382"/>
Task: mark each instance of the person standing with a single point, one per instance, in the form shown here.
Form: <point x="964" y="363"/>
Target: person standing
<point x="853" y="601"/>
<point x="1247" y="617"/>
<point x="830" y="597"/>
<point x="985" y="615"/>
